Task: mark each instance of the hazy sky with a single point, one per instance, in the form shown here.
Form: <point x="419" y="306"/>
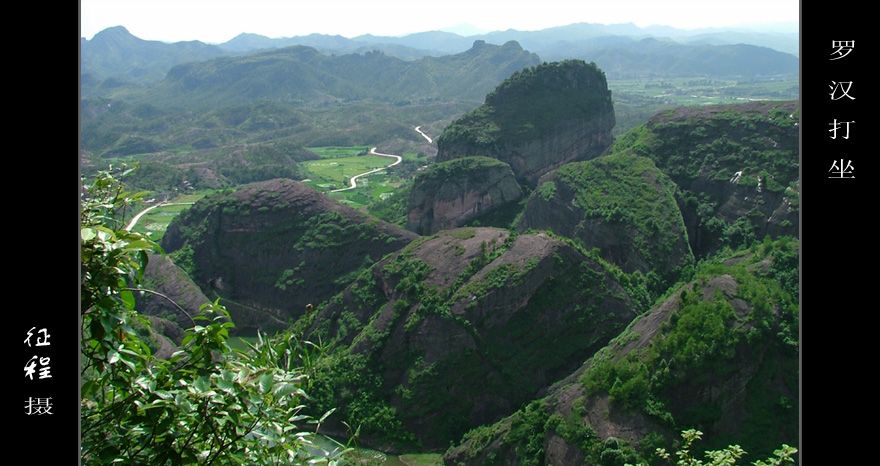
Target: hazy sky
<point x="217" y="21"/>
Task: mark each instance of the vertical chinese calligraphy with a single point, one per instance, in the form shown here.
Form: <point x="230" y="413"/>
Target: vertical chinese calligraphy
<point x="840" y="90"/>
<point x="37" y="365"/>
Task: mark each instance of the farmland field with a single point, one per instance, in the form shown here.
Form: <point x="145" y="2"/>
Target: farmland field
<point x="339" y="164"/>
<point x="156" y="220"/>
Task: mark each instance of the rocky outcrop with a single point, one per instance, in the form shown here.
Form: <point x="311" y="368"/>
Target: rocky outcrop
<point x="449" y="194"/>
<point x="648" y="381"/>
<point x="468" y="324"/>
<point x="537" y="120"/>
<point x="269" y="249"/>
<point x="176" y="289"/>
<point x="737" y="168"/>
<point x="621" y="204"/>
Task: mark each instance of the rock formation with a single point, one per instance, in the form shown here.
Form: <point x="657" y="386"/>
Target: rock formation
<point x="449" y="194"/>
<point x="734" y="378"/>
<point x="274" y="247"/>
<point x="537" y="120"/>
<point x="466" y="325"/>
<point x="621" y="204"/>
<point x="736" y="166"/>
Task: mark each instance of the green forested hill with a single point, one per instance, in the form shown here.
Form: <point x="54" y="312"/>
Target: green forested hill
<point x="302" y="76"/>
<point x="461" y="328"/>
<point x="720" y="355"/>
<point x="736" y="168"/>
<point x="630" y="289"/>
<point x="622" y="205"/>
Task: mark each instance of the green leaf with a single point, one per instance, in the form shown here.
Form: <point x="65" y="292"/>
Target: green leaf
<point x="287" y="389"/>
<point x="163" y="394"/>
<point x="326" y="415"/>
<point x="201" y="384"/>
<point x="225" y="385"/>
<point x="266" y="383"/>
<point x="127" y="299"/>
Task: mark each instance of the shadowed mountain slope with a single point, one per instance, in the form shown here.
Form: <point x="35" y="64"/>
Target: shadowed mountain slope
<point x="736" y="167"/>
<point x="719" y="355"/>
<point x="271" y="248"/>
<point x="459" y="329"/>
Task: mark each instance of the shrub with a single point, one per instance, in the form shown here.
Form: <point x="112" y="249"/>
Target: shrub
<point x="207" y="404"/>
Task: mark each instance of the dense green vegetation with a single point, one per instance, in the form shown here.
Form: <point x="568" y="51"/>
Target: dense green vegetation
<point x="629" y="191"/>
<point x="705" y="151"/>
<point x="392" y="207"/>
<point x="724" y="457"/>
<point x="390" y="401"/>
<point x="208" y="404"/>
<point x="739" y="138"/>
<point x="712" y="333"/>
<point x="530" y="103"/>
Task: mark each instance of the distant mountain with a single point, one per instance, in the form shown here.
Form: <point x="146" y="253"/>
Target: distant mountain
<point x="303" y="76"/>
<point x="115" y="53"/>
<point x="654" y="57"/>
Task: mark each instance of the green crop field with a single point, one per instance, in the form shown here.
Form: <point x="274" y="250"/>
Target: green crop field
<point x="339" y="170"/>
<point x="157" y="219"/>
<point x="339" y="164"/>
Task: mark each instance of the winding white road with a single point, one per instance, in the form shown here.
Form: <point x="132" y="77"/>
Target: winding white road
<point x="137" y="217"/>
<point x="353" y="180"/>
<point x="423" y="134"/>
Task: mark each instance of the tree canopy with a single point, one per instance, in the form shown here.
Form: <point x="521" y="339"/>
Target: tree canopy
<point x="207" y="404"/>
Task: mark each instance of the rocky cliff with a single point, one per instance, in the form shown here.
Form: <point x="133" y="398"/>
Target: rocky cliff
<point x="269" y="249"/>
<point x="621" y="204"/>
<point x="463" y="327"/>
<point x="449" y="194"/>
<point x="736" y="166"/>
<point x="719" y="355"/>
<point x="537" y="120"/>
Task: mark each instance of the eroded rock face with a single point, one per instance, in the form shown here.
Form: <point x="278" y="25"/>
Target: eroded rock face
<point x="537" y="120"/>
<point x="737" y="168"/>
<point x="450" y="194"/>
<point x="468" y="324"/>
<point x="722" y="396"/>
<point x="621" y="204"/>
<point x="272" y="248"/>
<point x="162" y="276"/>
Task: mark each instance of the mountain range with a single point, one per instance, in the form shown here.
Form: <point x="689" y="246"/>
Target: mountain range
<point x="115" y="53"/>
<point x="542" y="291"/>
